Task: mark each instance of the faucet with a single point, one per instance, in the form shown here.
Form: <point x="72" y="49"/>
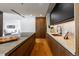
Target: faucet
<point x="59" y="29"/>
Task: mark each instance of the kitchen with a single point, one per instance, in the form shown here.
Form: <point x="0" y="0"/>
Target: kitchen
<point x="22" y="23"/>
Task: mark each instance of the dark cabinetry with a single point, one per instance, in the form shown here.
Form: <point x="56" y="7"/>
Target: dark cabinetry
<point x="62" y="12"/>
<point x="56" y="48"/>
<point x="24" y="49"/>
<point x="1" y="23"/>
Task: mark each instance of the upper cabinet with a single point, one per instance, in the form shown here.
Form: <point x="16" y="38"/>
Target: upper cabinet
<point x="62" y="12"/>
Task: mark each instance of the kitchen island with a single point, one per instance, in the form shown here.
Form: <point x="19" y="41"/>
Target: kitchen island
<point x="10" y="48"/>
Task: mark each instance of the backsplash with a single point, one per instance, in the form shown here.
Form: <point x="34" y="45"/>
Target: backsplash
<point x="66" y="27"/>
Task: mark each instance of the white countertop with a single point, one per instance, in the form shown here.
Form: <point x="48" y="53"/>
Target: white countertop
<point x="68" y="44"/>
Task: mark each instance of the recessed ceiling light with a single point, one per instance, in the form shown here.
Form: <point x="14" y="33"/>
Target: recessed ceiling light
<point x="40" y="14"/>
<point x="31" y="15"/>
<point x="22" y="4"/>
<point x="40" y="3"/>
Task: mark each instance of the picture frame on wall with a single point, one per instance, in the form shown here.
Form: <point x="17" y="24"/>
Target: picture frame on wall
<point x="11" y="26"/>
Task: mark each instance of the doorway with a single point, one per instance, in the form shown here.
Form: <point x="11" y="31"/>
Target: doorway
<point x="40" y="27"/>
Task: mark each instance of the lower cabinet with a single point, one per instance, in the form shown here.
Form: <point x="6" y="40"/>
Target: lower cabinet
<point x="56" y="48"/>
<point x="24" y="49"/>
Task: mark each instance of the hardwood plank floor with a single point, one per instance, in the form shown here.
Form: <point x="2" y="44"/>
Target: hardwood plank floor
<point x="41" y="48"/>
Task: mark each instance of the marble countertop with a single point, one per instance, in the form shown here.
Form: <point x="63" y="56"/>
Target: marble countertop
<point x="68" y="44"/>
<point x="6" y="48"/>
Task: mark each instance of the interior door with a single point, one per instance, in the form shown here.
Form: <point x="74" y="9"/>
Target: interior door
<point x="40" y="27"/>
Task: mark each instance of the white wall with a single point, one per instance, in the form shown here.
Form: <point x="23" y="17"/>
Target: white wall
<point x="67" y="27"/>
<point x="11" y="19"/>
<point x="48" y="21"/>
<point x="28" y="24"/>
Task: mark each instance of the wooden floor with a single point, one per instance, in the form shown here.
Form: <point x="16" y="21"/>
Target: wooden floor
<point x="41" y="48"/>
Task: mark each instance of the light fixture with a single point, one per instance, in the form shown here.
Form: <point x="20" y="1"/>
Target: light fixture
<point x="31" y="15"/>
<point x="22" y="4"/>
<point x="17" y="13"/>
<point x="40" y="14"/>
<point x="41" y="4"/>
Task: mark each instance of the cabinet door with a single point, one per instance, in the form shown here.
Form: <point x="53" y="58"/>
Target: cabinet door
<point x="56" y="48"/>
<point x="25" y="48"/>
<point x="51" y="45"/>
<point x="21" y="50"/>
<point x="66" y="52"/>
<point x="30" y="45"/>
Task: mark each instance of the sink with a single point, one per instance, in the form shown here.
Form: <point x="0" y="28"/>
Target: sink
<point x="56" y="34"/>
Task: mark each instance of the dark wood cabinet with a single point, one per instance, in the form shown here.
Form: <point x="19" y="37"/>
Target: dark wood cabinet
<point x="56" y="48"/>
<point x="61" y="15"/>
<point x="1" y="23"/>
<point x="66" y="52"/>
<point x="24" y="49"/>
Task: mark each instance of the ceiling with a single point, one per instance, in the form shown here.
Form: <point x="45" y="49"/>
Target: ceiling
<point x="35" y="9"/>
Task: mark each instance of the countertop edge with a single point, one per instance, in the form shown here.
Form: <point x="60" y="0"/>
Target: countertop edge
<point x="6" y="53"/>
<point x="72" y="51"/>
